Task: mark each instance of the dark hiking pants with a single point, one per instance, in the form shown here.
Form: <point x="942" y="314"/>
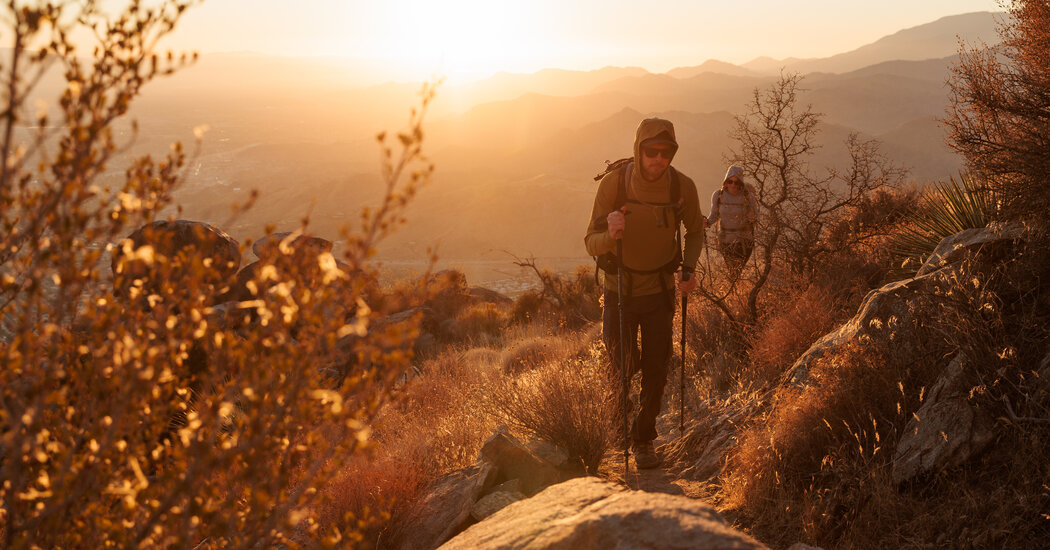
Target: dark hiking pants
<point x="651" y="316"/>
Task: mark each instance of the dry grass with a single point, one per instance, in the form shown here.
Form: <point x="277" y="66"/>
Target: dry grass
<point x="775" y="344"/>
<point x="531" y="352"/>
<point x="817" y="468"/>
<point x="482" y="319"/>
<point x="567" y="402"/>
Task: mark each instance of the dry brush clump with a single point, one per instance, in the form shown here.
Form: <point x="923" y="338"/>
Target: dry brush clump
<point x="818" y="467"/>
<point x="435" y="424"/>
<point x="567" y="401"/>
<point x="152" y="417"/>
<point x="566" y="301"/>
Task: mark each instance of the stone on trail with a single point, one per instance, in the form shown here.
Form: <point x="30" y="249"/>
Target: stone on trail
<point x="591" y="514"/>
<point x="494" y="502"/>
<point x="446" y="508"/>
<point x="515" y="461"/>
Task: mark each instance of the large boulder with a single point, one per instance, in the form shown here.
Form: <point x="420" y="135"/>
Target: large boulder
<point x="592" y="514"/>
<point x="166" y="257"/>
<point x="897" y="309"/>
<point x="445" y="510"/>
<point x="284" y="257"/>
<point x="947" y="430"/>
<point x="887" y="317"/>
<point x="516" y="461"/>
<point x="994" y="243"/>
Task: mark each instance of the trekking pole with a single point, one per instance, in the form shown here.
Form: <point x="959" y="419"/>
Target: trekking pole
<point x="681" y="380"/>
<point x="623" y="354"/>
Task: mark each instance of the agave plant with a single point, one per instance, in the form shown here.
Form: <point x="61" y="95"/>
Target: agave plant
<point x="945" y="209"/>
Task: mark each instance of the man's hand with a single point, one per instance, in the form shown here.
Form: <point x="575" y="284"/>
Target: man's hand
<point x="616" y="222"/>
<point x="687" y="284"/>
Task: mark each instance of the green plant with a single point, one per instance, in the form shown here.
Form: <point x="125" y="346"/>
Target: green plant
<point x="944" y="210"/>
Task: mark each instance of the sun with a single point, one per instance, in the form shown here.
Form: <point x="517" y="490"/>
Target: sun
<point x="463" y="38"/>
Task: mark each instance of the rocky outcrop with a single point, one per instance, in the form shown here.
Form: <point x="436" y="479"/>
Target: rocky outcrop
<point x="166" y="256"/>
<point x="591" y="514"/>
<point x="897" y="308"/>
<point x="446" y="508"/>
<point x="947" y="430"/>
<point x="993" y="243"/>
<point x="269" y="245"/>
<point x="516" y="461"/>
<point x="507" y="472"/>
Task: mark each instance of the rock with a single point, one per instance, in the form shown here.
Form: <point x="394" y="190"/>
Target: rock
<point x="483" y="295"/>
<point x="511" y="486"/>
<point x="996" y="240"/>
<point x="269" y="245"/>
<point x="589" y="513"/>
<point x="446" y="508"/>
<point x="549" y="452"/>
<point x="890" y="312"/>
<point x="516" y="461"/>
<point x="883" y="315"/>
<point x="494" y="502"/>
<point x="183" y="251"/>
<point x="948" y="431"/>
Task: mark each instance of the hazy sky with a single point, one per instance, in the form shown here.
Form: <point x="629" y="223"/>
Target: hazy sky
<point x="478" y="37"/>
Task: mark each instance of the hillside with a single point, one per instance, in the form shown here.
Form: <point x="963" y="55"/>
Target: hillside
<point x="509" y="137"/>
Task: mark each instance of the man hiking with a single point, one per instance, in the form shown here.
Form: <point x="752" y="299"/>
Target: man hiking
<point x="640" y="205"/>
<point x="734" y="208"/>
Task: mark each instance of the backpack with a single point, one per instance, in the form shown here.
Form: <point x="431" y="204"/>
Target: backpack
<point x="608" y="262"/>
<point x="716" y="203"/>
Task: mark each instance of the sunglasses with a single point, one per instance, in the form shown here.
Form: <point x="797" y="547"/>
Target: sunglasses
<point x="651" y="152"/>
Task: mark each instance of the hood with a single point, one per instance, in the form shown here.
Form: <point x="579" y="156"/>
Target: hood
<point x="737" y="171"/>
<point x="652" y="129"/>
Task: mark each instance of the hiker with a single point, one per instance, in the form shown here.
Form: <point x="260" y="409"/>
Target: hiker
<point x="735" y="208"/>
<point x="640" y="204"/>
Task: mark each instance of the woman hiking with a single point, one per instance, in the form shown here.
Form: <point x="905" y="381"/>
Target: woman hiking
<point x="735" y="208"/>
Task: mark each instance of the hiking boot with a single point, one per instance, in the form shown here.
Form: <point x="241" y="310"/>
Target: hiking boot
<point x="645" y="456"/>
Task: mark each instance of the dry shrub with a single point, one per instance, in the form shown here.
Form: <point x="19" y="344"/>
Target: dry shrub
<point x="819" y="467"/>
<point x="799" y="474"/>
<point x="481" y="359"/>
<point x="531" y="352"/>
<point x="566" y="301"/>
<point x="782" y="337"/>
<point x="435" y="425"/>
<point x="151" y="418"/>
<point x="715" y="348"/>
<point x="567" y="403"/>
<point x="483" y="319"/>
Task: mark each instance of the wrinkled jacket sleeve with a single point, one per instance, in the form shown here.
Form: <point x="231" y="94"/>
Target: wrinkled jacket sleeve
<point x="693" y="219"/>
<point x="597" y="239"/>
<point x="715" y="214"/>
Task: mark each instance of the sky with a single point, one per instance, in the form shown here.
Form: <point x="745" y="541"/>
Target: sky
<point x="475" y="38"/>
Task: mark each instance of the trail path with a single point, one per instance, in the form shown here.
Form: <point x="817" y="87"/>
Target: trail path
<point x="655" y="480"/>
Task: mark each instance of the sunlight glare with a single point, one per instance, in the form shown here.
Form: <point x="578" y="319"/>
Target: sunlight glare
<point x="462" y="39"/>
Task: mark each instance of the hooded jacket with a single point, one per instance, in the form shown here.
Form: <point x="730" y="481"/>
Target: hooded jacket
<point x="734" y="213"/>
<point x="649" y="234"/>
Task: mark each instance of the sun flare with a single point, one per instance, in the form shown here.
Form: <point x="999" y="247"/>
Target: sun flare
<point x="462" y="38"/>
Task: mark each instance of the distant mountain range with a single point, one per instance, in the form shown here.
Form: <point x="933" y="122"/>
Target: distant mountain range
<point x="515" y="153"/>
